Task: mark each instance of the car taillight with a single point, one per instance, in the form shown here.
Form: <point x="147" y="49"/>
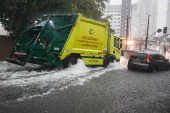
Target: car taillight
<point x="131" y="54"/>
<point x="14" y="56"/>
<point x="148" y="59"/>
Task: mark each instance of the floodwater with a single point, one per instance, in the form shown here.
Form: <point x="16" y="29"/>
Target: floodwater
<point x="33" y="80"/>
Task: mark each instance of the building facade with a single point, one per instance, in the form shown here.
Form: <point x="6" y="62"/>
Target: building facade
<point x="115" y="12"/>
<point x="146" y="9"/>
<point x="168" y="19"/>
<point x="125" y="17"/>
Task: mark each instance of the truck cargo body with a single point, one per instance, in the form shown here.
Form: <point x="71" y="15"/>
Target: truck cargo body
<point x="61" y="39"/>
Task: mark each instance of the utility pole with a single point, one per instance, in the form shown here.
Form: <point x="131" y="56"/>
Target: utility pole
<point x="147" y="34"/>
<point x="164" y="31"/>
<point x="127" y="32"/>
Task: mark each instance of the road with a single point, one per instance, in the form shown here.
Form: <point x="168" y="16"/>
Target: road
<point x="81" y="89"/>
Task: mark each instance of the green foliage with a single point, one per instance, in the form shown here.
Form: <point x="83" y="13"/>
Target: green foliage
<point x="16" y="14"/>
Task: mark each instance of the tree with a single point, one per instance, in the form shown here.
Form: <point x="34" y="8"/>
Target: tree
<point x="16" y="14"/>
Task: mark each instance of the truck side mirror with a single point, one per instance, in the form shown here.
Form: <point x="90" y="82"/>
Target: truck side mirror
<point x="120" y="45"/>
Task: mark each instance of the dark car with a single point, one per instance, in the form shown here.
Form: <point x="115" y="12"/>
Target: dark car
<point x="148" y="61"/>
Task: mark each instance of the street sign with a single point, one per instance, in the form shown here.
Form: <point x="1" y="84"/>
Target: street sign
<point x="157" y="42"/>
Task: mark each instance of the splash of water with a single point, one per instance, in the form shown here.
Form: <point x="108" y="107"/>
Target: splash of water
<point x="57" y="78"/>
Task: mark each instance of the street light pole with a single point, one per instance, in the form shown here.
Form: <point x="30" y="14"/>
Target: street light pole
<point x="127" y="30"/>
<point x="147" y="34"/>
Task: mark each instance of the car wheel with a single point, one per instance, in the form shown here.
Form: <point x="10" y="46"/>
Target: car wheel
<point x="155" y="69"/>
<point x="150" y="70"/>
<point x="129" y="68"/>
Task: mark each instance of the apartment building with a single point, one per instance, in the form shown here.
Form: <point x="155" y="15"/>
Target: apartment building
<point x="115" y="12"/>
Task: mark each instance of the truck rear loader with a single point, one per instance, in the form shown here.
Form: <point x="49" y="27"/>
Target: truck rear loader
<point x="59" y="40"/>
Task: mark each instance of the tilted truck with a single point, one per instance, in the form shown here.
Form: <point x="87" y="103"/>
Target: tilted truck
<point x="61" y="39"/>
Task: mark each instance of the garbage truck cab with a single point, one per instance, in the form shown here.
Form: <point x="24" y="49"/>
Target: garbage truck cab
<point x="61" y="39"/>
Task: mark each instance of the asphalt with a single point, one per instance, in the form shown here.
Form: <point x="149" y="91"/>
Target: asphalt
<point x="116" y="91"/>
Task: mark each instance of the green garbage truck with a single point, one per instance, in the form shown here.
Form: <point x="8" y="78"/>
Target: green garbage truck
<point x="60" y="39"/>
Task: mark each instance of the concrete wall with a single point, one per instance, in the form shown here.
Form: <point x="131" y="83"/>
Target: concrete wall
<point x="6" y="44"/>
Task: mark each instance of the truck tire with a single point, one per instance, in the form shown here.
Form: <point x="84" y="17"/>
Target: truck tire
<point x="69" y="62"/>
<point x="111" y="60"/>
<point x="105" y="63"/>
<point x="108" y="61"/>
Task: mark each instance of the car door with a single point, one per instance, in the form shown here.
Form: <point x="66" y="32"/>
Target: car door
<point x="163" y="62"/>
<point x="155" y="61"/>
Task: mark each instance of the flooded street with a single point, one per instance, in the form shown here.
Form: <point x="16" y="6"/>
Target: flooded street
<point x="81" y="89"/>
<point x="32" y="80"/>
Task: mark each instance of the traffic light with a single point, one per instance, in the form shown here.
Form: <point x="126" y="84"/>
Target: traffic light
<point x="165" y="30"/>
<point x="159" y="30"/>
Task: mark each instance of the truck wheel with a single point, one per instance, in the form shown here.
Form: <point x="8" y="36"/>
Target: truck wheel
<point x="105" y="63"/>
<point x="108" y="61"/>
<point x="111" y="60"/>
<point x="69" y="62"/>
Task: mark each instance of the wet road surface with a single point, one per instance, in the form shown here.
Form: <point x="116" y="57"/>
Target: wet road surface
<point x="83" y="90"/>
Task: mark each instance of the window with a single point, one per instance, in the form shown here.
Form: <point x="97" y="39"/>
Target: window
<point x="116" y="42"/>
<point x="158" y="57"/>
<point x="161" y="58"/>
<point x="155" y="57"/>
